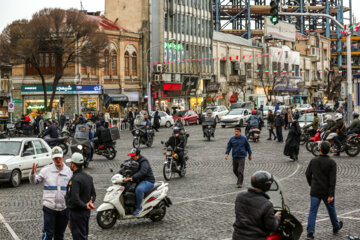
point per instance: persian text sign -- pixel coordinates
(282, 30)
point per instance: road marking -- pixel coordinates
(340, 216)
(11, 231)
(230, 193)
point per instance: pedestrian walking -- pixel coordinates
(240, 148)
(279, 124)
(156, 120)
(271, 124)
(80, 195)
(277, 108)
(289, 117)
(55, 178)
(62, 121)
(292, 144)
(321, 176)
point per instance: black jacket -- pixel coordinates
(145, 172)
(255, 216)
(339, 127)
(292, 144)
(279, 121)
(79, 191)
(62, 120)
(52, 131)
(321, 176)
(157, 119)
(176, 142)
(98, 132)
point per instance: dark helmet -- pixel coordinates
(176, 130)
(355, 115)
(262, 180)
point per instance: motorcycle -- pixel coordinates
(107, 150)
(180, 124)
(171, 164)
(14, 130)
(254, 134)
(306, 134)
(318, 137)
(290, 228)
(119, 200)
(68, 131)
(208, 128)
(350, 146)
(140, 137)
(82, 144)
(58, 142)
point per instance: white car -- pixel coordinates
(236, 117)
(17, 156)
(303, 108)
(308, 118)
(266, 110)
(217, 112)
(165, 119)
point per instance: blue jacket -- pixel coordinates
(91, 135)
(145, 172)
(240, 147)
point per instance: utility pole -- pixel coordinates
(348, 56)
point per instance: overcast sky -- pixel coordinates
(11, 10)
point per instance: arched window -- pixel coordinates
(127, 65)
(114, 63)
(106, 63)
(134, 64)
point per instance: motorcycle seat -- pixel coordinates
(156, 185)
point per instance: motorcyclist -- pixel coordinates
(315, 124)
(51, 130)
(148, 124)
(209, 118)
(329, 122)
(97, 137)
(340, 129)
(254, 121)
(91, 137)
(355, 125)
(255, 218)
(176, 141)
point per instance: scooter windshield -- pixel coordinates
(81, 132)
(277, 196)
(140, 121)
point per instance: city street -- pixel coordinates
(203, 200)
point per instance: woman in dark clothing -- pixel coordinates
(271, 124)
(156, 121)
(292, 144)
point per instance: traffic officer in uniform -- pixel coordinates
(55, 177)
(80, 196)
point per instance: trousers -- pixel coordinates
(55, 223)
(279, 134)
(140, 191)
(238, 169)
(79, 224)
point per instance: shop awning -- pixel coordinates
(114, 98)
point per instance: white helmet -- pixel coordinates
(338, 116)
(328, 117)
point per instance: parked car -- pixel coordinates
(189, 117)
(307, 118)
(165, 119)
(236, 117)
(248, 105)
(17, 156)
(218, 112)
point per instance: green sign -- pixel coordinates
(17, 100)
(40, 89)
(173, 46)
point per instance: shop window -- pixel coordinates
(222, 68)
(106, 63)
(286, 67)
(114, 63)
(89, 106)
(134, 64)
(127, 64)
(35, 107)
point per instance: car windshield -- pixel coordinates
(307, 118)
(209, 108)
(181, 113)
(236, 112)
(304, 105)
(10, 148)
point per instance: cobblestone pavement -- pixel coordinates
(203, 200)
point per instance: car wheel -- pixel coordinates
(168, 124)
(223, 126)
(241, 124)
(15, 178)
(217, 119)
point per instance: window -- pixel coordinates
(106, 63)
(41, 60)
(233, 68)
(134, 64)
(297, 70)
(46, 62)
(307, 75)
(93, 71)
(114, 63)
(40, 148)
(248, 70)
(29, 148)
(222, 68)
(127, 65)
(259, 69)
(274, 66)
(52, 59)
(286, 67)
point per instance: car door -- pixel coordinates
(193, 116)
(27, 158)
(162, 118)
(43, 157)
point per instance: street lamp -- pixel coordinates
(147, 73)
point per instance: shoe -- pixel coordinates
(137, 211)
(337, 154)
(239, 185)
(310, 236)
(268, 139)
(336, 230)
(275, 138)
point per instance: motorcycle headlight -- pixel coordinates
(80, 147)
(137, 132)
(3, 167)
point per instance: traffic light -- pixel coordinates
(274, 12)
(62, 101)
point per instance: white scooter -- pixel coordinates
(116, 204)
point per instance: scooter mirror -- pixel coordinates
(111, 170)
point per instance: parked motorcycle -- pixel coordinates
(350, 146)
(171, 164)
(208, 128)
(290, 228)
(254, 134)
(119, 201)
(82, 144)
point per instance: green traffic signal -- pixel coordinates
(274, 12)
(274, 20)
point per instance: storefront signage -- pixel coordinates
(17, 100)
(63, 89)
(172, 87)
(213, 87)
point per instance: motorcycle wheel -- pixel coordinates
(208, 137)
(106, 219)
(303, 139)
(315, 149)
(136, 143)
(167, 172)
(149, 142)
(352, 149)
(185, 140)
(64, 147)
(159, 212)
(111, 153)
(308, 145)
(182, 172)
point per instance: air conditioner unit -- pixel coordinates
(157, 78)
(159, 68)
